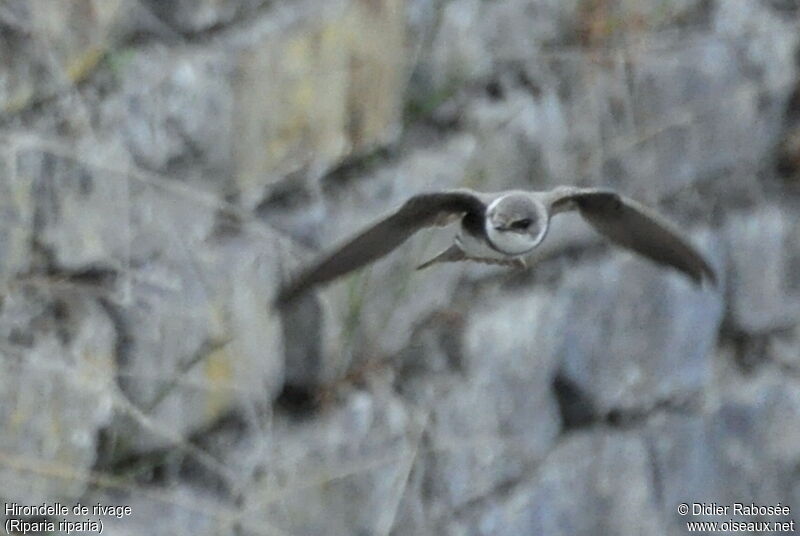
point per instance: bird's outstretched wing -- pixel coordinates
(636, 227)
(381, 238)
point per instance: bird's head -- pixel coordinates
(516, 223)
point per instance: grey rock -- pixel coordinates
(173, 110)
(81, 212)
(782, 347)
(186, 298)
(524, 142)
(351, 464)
(539, 25)
(743, 448)
(621, 341)
(458, 54)
(192, 17)
(316, 86)
(48, 48)
(591, 395)
(681, 98)
(646, 102)
(194, 306)
(765, 295)
(493, 421)
(56, 393)
(16, 219)
(181, 510)
(592, 482)
(310, 345)
(289, 91)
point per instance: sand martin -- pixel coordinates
(501, 228)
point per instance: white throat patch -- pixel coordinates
(513, 243)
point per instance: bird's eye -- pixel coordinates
(521, 224)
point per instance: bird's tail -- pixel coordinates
(451, 254)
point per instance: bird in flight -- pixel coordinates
(501, 228)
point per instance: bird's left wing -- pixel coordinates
(381, 238)
(636, 227)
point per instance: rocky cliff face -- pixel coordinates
(164, 166)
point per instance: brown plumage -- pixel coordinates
(502, 227)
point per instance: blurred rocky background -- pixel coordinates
(164, 165)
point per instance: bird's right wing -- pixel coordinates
(381, 238)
